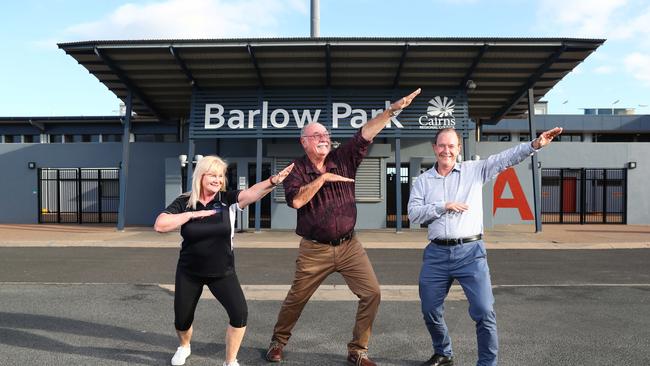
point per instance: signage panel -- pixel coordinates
(284, 113)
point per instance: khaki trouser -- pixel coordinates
(317, 261)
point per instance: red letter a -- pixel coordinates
(518, 199)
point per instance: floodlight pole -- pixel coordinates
(315, 18)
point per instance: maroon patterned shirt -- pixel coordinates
(332, 212)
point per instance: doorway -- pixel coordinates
(265, 203)
(391, 196)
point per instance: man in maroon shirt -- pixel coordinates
(321, 188)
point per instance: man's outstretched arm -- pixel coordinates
(375, 125)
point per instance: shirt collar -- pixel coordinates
(329, 165)
(434, 173)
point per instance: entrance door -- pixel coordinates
(569, 194)
(391, 210)
(265, 216)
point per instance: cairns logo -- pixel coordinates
(440, 114)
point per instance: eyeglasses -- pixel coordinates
(318, 136)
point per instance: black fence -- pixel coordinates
(584, 196)
(78, 195)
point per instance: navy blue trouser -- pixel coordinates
(466, 263)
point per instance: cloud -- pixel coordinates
(300, 6)
(611, 19)
(638, 65)
(635, 24)
(579, 18)
(604, 70)
(188, 19)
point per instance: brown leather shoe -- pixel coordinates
(360, 358)
(274, 354)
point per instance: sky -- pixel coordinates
(38, 79)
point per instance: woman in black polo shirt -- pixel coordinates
(206, 216)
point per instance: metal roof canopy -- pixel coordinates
(162, 73)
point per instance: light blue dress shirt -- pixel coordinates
(431, 191)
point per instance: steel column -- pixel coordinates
(124, 166)
(58, 196)
(99, 195)
(537, 201)
(190, 164)
(604, 196)
(40, 194)
(258, 178)
(79, 200)
(190, 144)
(398, 185)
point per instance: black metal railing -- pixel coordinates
(78, 195)
(584, 196)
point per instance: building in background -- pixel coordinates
(246, 100)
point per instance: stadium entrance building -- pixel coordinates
(246, 101)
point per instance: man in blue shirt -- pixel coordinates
(449, 199)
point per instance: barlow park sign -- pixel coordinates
(278, 114)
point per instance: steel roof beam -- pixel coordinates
(528, 85)
(251, 53)
(328, 65)
(401, 64)
(38, 125)
(127, 82)
(183, 66)
(473, 67)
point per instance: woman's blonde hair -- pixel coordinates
(206, 165)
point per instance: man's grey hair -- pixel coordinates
(304, 128)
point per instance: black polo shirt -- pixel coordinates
(207, 242)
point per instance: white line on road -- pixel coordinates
(337, 292)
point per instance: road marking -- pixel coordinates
(330, 292)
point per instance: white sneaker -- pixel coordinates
(234, 363)
(181, 354)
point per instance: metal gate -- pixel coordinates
(584, 196)
(78, 195)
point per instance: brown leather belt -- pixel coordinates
(452, 242)
(334, 242)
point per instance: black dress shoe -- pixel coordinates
(439, 360)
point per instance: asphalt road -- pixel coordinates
(275, 266)
(102, 306)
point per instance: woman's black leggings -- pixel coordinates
(225, 289)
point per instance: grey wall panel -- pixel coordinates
(582, 155)
(146, 183)
(283, 216)
(19, 184)
(146, 189)
(638, 194)
(576, 123)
